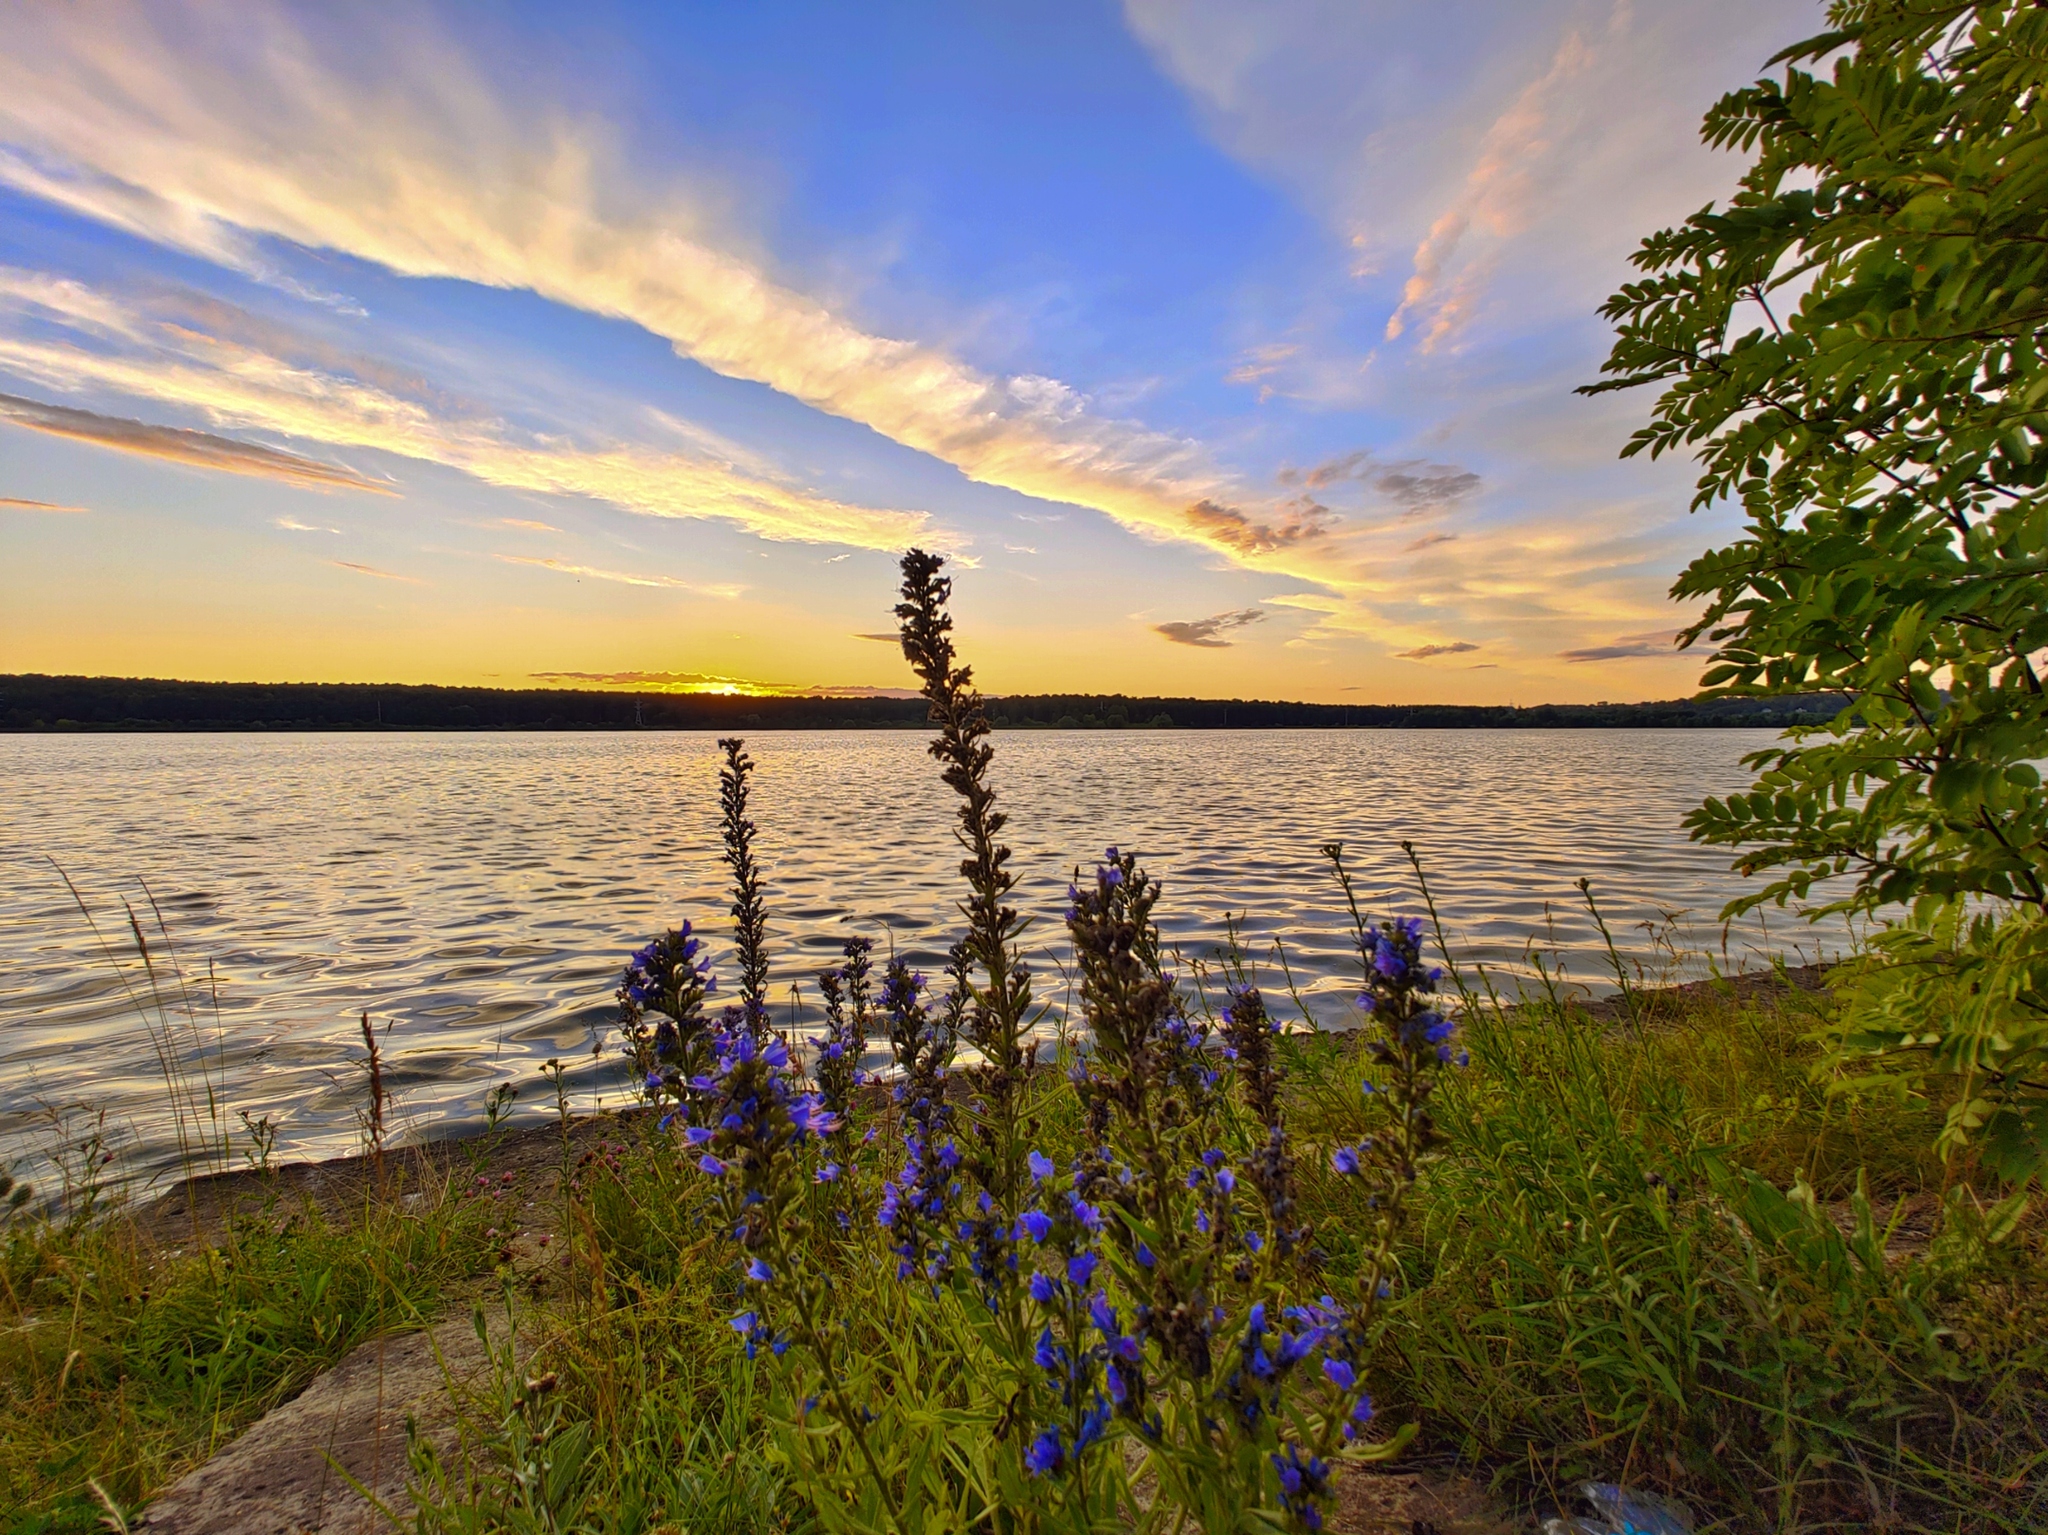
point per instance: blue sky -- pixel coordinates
(1227, 348)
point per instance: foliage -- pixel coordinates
(1670, 1259)
(1955, 1003)
(1852, 347)
(1676, 1261)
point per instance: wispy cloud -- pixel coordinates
(627, 578)
(205, 131)
(1413, 484)
(1207, 633)
(293, 525)
(256, 374)
(1260, 364)
(18, 504)
(1424, 652)
(1496, 197)
(891, 638)
(1657, 642)
(201, 449)
(528, 523)
(372, 570)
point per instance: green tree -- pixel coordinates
(1852, 348)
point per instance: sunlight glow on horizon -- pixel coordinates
(1226, 353)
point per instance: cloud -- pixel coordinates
(1424, 652)
(1299, 521)
(178, 445)
(204, 129)
(627, 578)
(537, 527)
(1497, 194)
(17, 504)
(1207, 632)
(1019, 549)
(891, 638)
(1411, 483)
(1428, 540)
(372, 570)
(1262, 363)
(256, 374)
(1314, 602)
(1657, 642)
(293, 525)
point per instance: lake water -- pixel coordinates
(477, 893)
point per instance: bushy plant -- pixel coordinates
(1140, 1333)
(1953, 1004)
(1852, 346)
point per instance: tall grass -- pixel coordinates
(131, 1347)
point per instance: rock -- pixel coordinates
(284, 1475)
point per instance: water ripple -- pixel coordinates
(476, 893)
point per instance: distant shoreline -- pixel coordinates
(38, 704)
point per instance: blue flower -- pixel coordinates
(1044, 1289)
(1345, 1160)
(1081, 1269)
(759, 1272)
(745, 1322)
(1035, 1224)
(1361, 1414)
(1341, 1375)
(1103, 1315)
(1046, 1455)
(1042, 1166)
(1047, 1354)
(1092, 1423)
(1303, 1479)
(710, 1164)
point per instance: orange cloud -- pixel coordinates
(201, 449)
(17, 504)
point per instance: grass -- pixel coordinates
(1654, 1247)
(126, 1358)
(1606, 1277)
(1663, 1259)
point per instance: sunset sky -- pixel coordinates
(1227, 346)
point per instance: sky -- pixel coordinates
(1225, 349)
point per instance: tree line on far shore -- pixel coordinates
(44, 703)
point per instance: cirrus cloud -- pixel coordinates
(178, 445)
